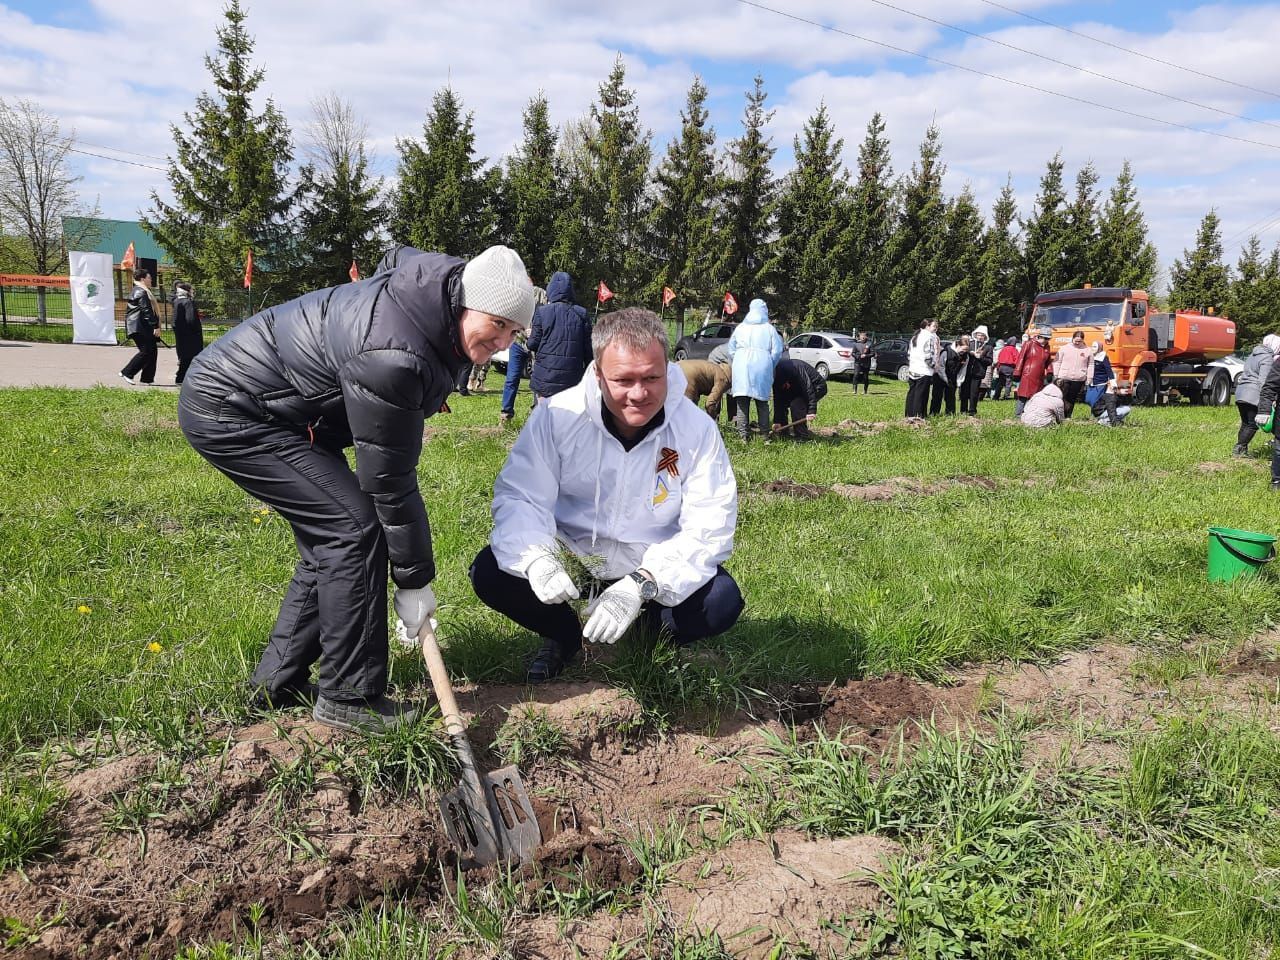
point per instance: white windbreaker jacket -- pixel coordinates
(670, 505)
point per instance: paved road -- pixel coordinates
(75, 365)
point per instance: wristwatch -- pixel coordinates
(648, 587)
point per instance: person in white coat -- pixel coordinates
(623, 471)
(755, 348)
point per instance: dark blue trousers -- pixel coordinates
(712, 609)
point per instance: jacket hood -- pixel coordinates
(758, 312)
(560, 289)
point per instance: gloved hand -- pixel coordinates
(413, 607)
(612, 612)
(550, 583)
(409, 640)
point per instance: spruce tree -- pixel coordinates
(684, 238)
(341, 219)
(1000, 269)
(571, 249)
(228, 178)
(1126, 258)
(917, 250)
(1080, 232)
(442, 202)
(750, 196)
(1046, 234)
(1200, 278)
(613, 190)
(534, 190)
(958, 302)
(1253, 294)
(811, 214)
(864, 243)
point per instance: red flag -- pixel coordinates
(128, 260)
(354, 272)
(667, 296)
(248, 269)
(603, 293)
(730, 304)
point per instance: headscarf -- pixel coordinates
(1272, 342)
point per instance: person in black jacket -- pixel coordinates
(560, 340)
(188, 335)
(1266, 402)
(797, 388)
(140, 323)
(981, 356)
(274, 402)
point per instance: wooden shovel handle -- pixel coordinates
(453, 721)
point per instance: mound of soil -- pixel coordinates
(793, 889)
(878, 707)
(881, 490)
(1253, 661)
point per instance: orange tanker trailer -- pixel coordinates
(1151, 353)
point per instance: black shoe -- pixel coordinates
(262, 700)
(375, 715)
(1239, 450)
(549, 662)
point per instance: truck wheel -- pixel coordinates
(1144, 388)
(1217, 389)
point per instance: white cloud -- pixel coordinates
(121, 86)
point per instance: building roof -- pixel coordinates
(113, 237)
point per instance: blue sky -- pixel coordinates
(119, 79)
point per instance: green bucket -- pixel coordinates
(1234, 553)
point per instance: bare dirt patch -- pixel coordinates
(878, 491)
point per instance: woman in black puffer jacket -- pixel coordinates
(274, 403)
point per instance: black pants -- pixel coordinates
(1248, 422)
(971, 391)
(918, 396)
(145, 359)
(862, 376)
(335, 609)
(742, 416)
(941, 391)
(1072, 391)
(795, 413)
(711, 609)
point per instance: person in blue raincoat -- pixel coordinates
(756, 348)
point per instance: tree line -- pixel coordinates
(827, 246)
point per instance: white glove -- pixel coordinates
(409, 640)
(413, 607)
(551, 584)
(612, 612)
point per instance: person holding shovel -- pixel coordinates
(624, 473)
(274, 403)
(797, 388)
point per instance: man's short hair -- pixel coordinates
(141, 272)
(634, 328)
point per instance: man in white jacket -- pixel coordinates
(623, 469)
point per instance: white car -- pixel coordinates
(1233, 364)
(831, 354)
(499, 360)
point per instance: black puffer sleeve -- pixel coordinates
(385, 394)
(1270, 389)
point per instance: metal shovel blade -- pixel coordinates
(515, 834)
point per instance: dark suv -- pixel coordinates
(698, 346)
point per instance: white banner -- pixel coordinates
(93, 305)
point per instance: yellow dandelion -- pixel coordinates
(84, 608)
(264, 511)
(154, 647)
(257, 519)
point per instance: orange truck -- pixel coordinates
(1151, 353)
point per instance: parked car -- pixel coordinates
(831, 354)
(499, 360)
(891, 358)
(698, 346)
(1233, 363)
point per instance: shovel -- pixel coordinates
(488, 816)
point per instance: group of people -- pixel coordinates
(142, 326)
(617, 468)
(1046, 387)
(751, 368)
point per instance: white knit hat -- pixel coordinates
(497, 283)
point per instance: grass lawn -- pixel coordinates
(137, 587)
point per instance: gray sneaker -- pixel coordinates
(377, 715)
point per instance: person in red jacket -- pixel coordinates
(1006, 360)
(1030, 369)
